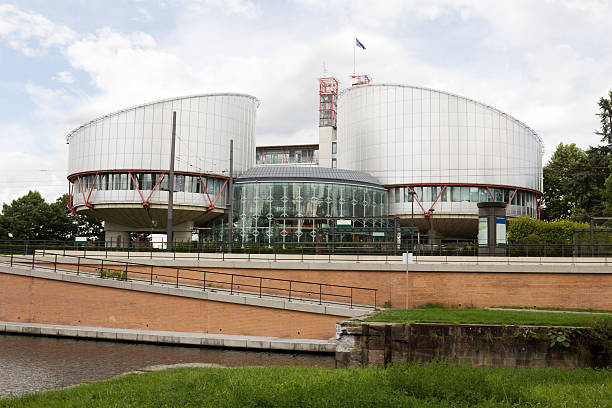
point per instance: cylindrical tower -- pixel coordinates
(118, 163)
(447, 151)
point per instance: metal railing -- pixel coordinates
(301, 249)
(206, 280)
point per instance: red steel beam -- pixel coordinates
(205, 190)
(511, 198)
(438, 197)
(414, 197)
(137, 189)
(154, 187)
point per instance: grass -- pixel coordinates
(414, 385)
(112, 274)
(563, 309)
(484, 316)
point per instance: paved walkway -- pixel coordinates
(174, 338)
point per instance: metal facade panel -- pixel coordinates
(409, 135)
(138, 138)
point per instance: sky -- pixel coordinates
(65, 62)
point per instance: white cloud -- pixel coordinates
(144, 16)
(64, 77)
(31, 33)
(544, 62)
(228, 7)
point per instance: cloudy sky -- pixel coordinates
(64, 62)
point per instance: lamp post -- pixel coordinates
(412, 194)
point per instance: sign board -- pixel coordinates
(80, 240)
(344, 223)
(378, 234)
(483, 231)
(500, 231)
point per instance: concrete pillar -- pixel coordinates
(116, 236)
(182, 232)
(327, 136)
(492, 228)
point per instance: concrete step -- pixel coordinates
(171, 338)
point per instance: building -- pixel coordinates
(118, 164)
(389, 156)
(447, 151)
(294, 155)
(295, 205)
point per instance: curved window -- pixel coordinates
(273, 211)
(467, 194)
(149, 181)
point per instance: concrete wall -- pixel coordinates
(376, 344)
(39, 300)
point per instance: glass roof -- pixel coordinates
(307, 174)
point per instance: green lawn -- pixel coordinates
(428, 385)
(567, 309)
(484, 316)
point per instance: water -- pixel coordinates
(32, 364)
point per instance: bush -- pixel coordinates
(112, 274)
(522, 228)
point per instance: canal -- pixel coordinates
(32, 364)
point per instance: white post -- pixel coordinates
(408, 259)
(354, 48)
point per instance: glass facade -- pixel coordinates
(268, 212)
(523, 202)
(146, 182)
(300, 155)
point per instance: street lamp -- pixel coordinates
(412, 194)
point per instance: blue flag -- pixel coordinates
(359, 44)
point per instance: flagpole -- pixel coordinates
(354, 47)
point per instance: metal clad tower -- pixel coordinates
(328, 100)
(118, 164)
(447, 151)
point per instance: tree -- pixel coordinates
(589, 183)
(31, 218)
(26, 217)
(560, 197)
(605, 117)
(71, 225)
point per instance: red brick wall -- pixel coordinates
(481, 289)
(25, 299)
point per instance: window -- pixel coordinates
(334, 163)
(474, 194)
(334, 148)
(407, 194)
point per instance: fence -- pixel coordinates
(457, 248)
(205, 280)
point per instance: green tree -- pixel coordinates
(560, 197)
(26, 218)
(69, 225)
(605, 117)
(589, 183)
(30, 217)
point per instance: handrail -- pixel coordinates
(178, 280)
(385, 248)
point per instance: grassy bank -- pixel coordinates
(484, 316)
(428, 385)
